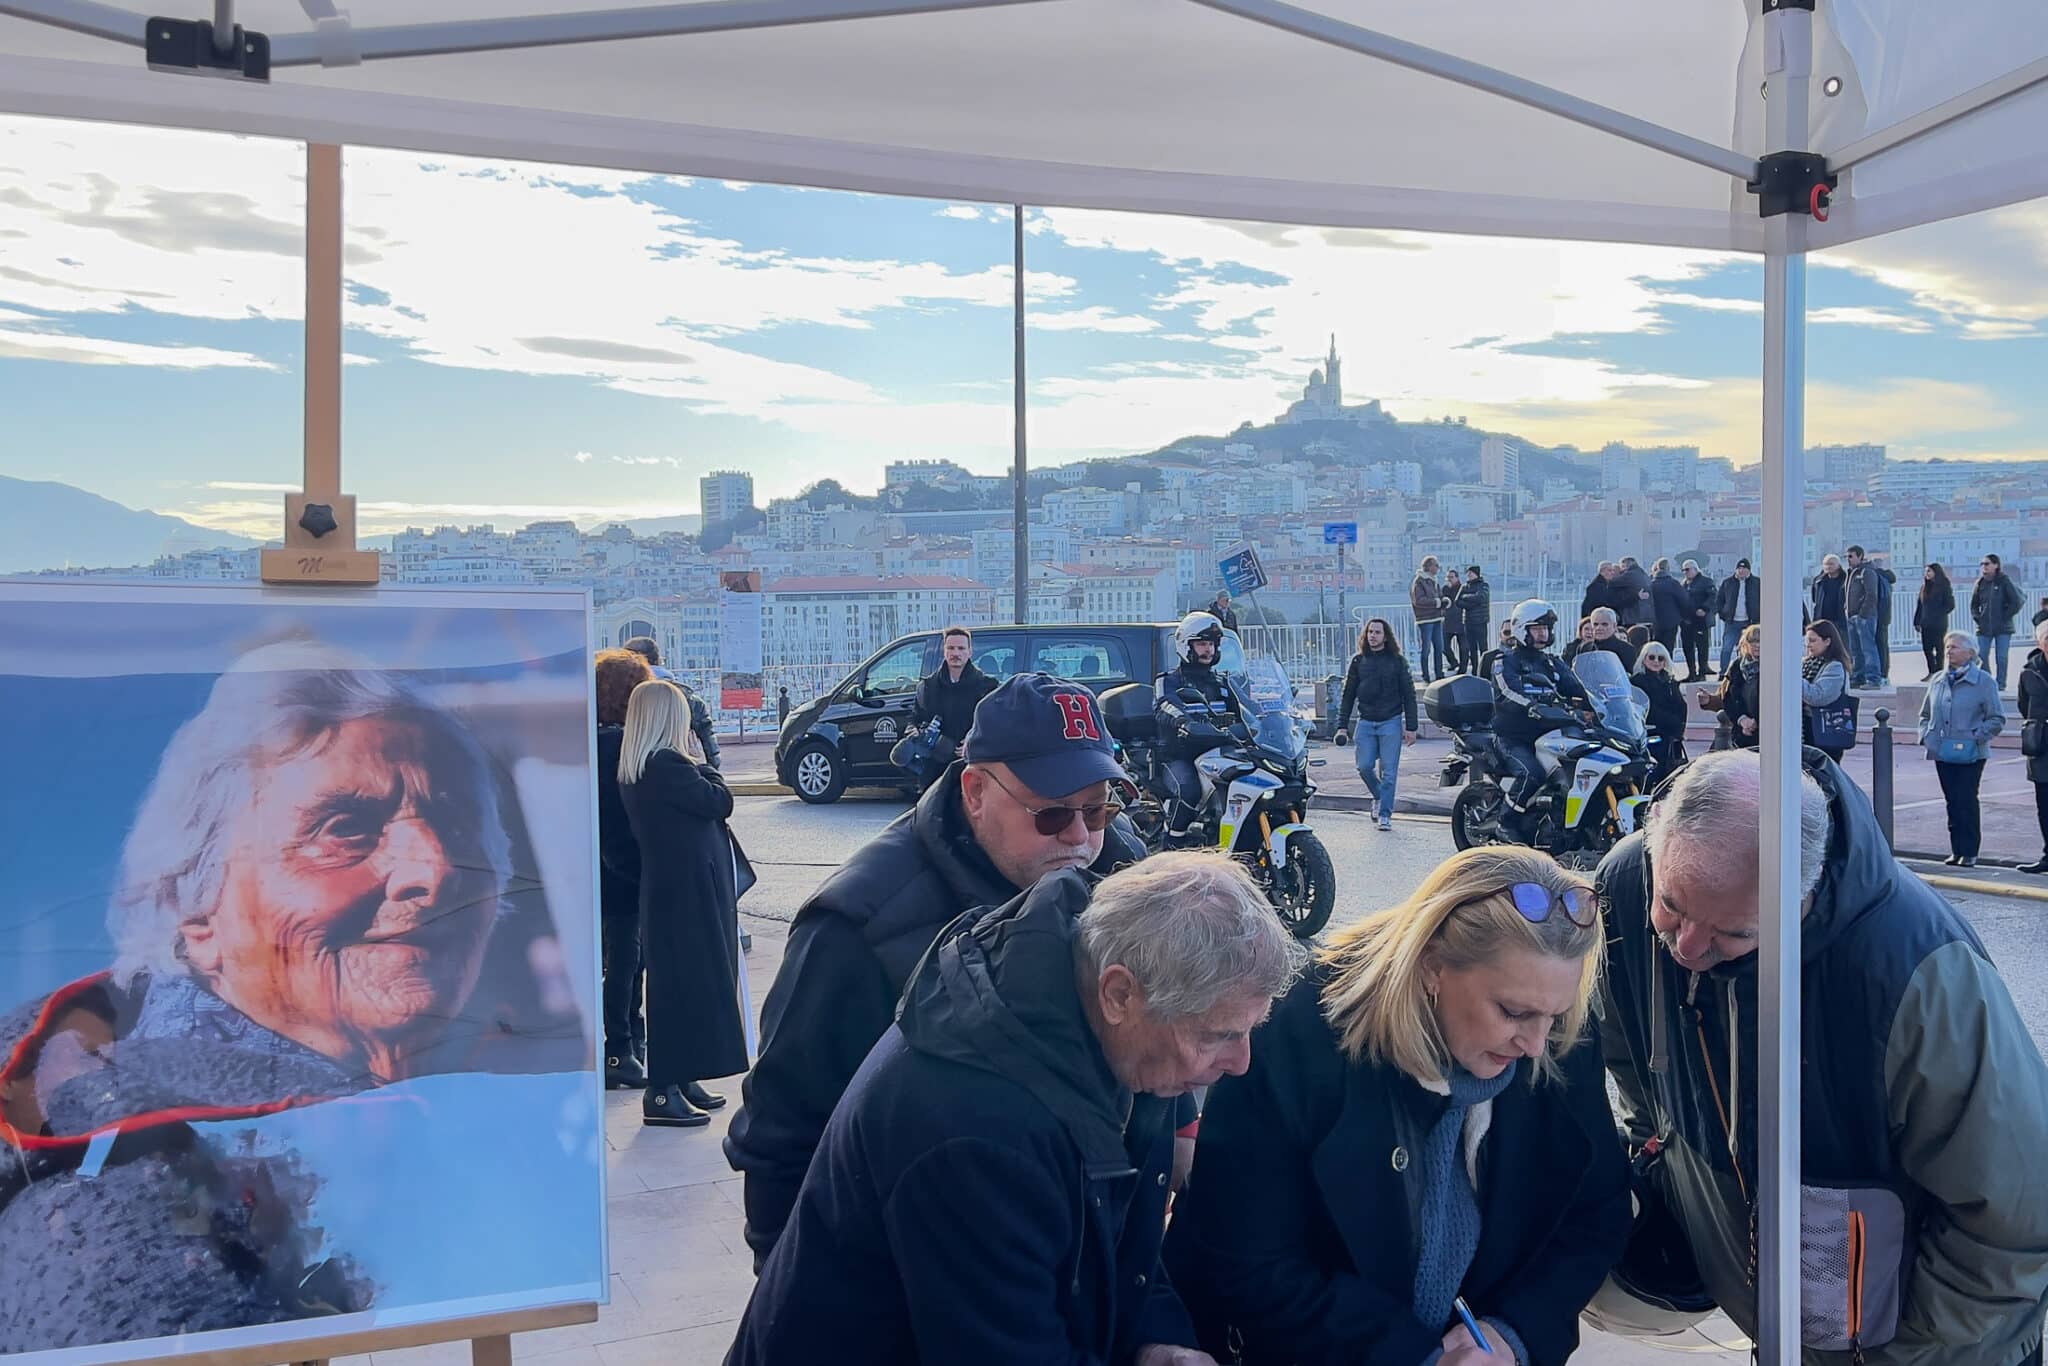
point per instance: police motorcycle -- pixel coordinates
(1254, 783)
(1595, 765)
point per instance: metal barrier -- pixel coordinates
(1881, 791)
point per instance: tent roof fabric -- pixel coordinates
(1150, 105)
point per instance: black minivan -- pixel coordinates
(843, 738)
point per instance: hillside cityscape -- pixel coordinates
(1138, 538)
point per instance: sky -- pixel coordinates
(529, 341)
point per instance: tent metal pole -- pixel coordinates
(1020, 505)
(1788, 81)
(1414, 56)
(601, 26)
(1941, 115)
(89, 17)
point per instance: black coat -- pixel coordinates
(1381, 687)
(1454, 608)
(1932, 607)
(1598, 594)
(952, 703)
(1994, 603)
(2033, 688)
(1298, 1234)
(982, 1193)
(851, 948)
(689, 920)
(618, 853)
(1625, 596)
(1701, 597)
(1667, 703)
(1742, 695)
(1752, 592)
(1668, 603)
(1831, 600)
(1475, 603)
(1226, 615)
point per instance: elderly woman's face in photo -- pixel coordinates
(357, 897)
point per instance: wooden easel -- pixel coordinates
(320, 548)
(320, 520)
(489, 1335)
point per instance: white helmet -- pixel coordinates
(1532, 612)
(1193, 627)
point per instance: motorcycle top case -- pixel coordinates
(1460, 702)
(1127, 711)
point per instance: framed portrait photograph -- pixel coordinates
(298, 964)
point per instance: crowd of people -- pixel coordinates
(1648, 618)
(973, 1130)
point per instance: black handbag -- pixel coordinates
(2034, 739)
(1834, 725)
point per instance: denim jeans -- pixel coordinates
(1731, 636)
(1431, 654)
(1985, 646)
(1379, 760)
(1863, 650)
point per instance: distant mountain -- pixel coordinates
(45, 525)
(689, 523)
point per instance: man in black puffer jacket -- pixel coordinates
(993, 1187)
(1037, 743)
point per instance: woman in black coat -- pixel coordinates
(1930, 614)
(1667, 709)
(2033, 718)
(1422, 1120)
(618, 878)
(1740, 700)
(689, 909)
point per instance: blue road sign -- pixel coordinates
(1242, 572)
(1340, 533)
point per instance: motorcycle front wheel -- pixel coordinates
(1304, 892)
(1475, 816)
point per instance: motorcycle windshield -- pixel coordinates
(1266, 697)
(1614, 696)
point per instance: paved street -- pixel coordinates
(680, 1272)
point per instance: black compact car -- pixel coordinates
(843, 738)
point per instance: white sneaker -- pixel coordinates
(1386, 822)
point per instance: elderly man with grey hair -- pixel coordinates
(1924, 1100)
(992, 1188)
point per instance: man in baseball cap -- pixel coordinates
(1035, 791)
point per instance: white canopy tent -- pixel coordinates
(1619, 123)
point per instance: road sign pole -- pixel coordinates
(1342, 615)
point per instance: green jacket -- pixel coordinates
(1920, 1082)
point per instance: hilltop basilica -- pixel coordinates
(1322, 400)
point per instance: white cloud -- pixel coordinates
(1711, 303)
(56, 346)
(1094, 318)
(1986, 274)
(1890, 320)
(352, 358)
(581, 457)
(965, 211)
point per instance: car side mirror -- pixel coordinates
(867, 697)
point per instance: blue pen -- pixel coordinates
(1471, 1324)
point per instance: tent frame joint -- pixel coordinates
(1793, 182)
(188, 47)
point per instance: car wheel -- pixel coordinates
(818, 774)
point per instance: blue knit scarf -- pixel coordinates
(1450, 1210)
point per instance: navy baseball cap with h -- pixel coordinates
(1046, 730)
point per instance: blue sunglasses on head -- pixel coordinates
(1536, 902)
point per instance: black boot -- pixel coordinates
(695, 1093)
(623, 1071)
(668, 1107)
(2039, 865)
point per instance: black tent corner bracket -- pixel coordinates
(1793, 182)
(186, 45)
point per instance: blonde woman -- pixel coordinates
(1422, 1121)
(689, 908)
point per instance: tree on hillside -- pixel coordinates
(717, 535)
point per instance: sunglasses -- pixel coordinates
(1051, 820)
(1537, 902)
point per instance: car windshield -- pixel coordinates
(1614, 697)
